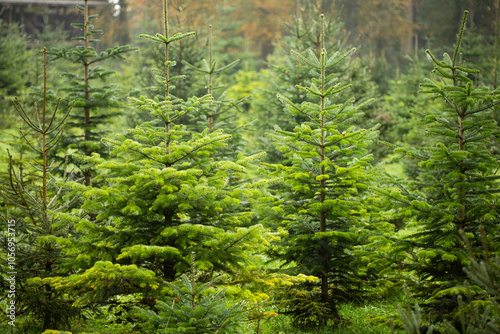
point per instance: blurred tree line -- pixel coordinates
(385, 27)
(388, 28)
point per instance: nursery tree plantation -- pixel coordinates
(295, 166)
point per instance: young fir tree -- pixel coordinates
(219, 114)
(479, 315)
(287, 71)
(457, 183)
(164, 196)
(92, 99)
(153, 55)
(320, 201)
(412, 317)
(194, 308)
(37, 234)
(474, 315)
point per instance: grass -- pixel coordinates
(372, 317)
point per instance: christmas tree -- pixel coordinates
(36, 235)
(320, 202)
(164, 196)
(456, 185)
(91, 99)
(194, 308)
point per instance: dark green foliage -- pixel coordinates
(480, 314)
(90, 98)
(456, 187)
(163, 196)
(320, 202)
(15, 75)
(194, 307)
(33, 198)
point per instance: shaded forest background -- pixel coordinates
(388, 28)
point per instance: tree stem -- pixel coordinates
(167, 75)
(210, 77)
(86, 64)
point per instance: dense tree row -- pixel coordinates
(188, 206)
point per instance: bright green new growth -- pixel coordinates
(90, 255)
(163, 197)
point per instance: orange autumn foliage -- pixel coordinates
(260, 19)
(385, 19)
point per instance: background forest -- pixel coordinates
(294, 166)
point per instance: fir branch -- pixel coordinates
(446, 123)
(238, 240)
(226, 137)
(18, 188)
(459, 41)
(233, 105)
(305, 60)
(134, 150)
(436, 61)
(179, 36)
(232, 64)
(20, 110)
(28, 142)
(344, 56)
(194, 67)
(484, 108)
(55, 139)
(308, 141)
(406, 151)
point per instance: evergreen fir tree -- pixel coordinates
(287, 71)
(304, 32)
(219, 114)
(164, 196)
(457, 184)
(320, 200)
(153, 55)
(91, 99)
(479, 315)
(194, 308)
(37, 235)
